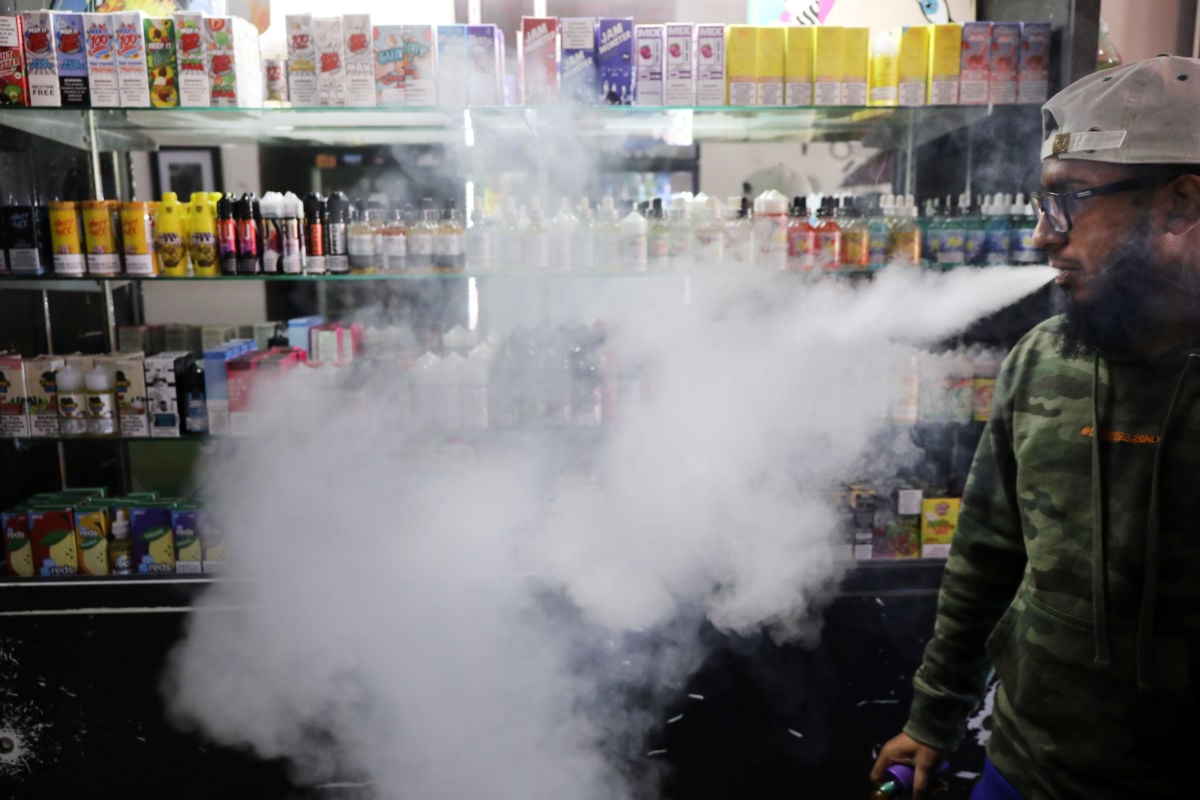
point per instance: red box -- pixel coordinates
(538, 57)
(14, 85)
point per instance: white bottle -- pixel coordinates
(679, 233)
(479, 241)
(508, 253)
(101, 403)
(449, 378)
(583, 246)
(293, 234)
(473, 390)
(633, 254)
(271, 208)
(769, 231)
(708, 249)
(606, 237)
(560, 237)
(738, 244)
(72, 401)
(535, 240)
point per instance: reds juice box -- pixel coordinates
(578, 67)
(648, 45)
(302, 61)
(768, 65)
(1033, 71)
(974, 73)
(710, 65)
(191, 57)
(18, 550)
(614, 60)
(420, 84)
(188, 554)
(452, 65)
(798, 66)
(741, 59)
(71, 47)
(1003, 55)
(331, 70)
(485, 65)
(679, 79)
(537, 53)
(41, 58)
(14, 407)
(358, 60)
(234, 62)
(390, 63)
(131, 60)
(100, 36)
(52, 532)
(14, 86)
(161, 69)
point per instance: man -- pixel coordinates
(1075, 570)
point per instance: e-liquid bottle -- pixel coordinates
(337, 252)
(975, 234)
(658, 241)
(856, 237)
(248, 262)
(395, 243)
(292, 237)
(271, 214)
(828, 238)
(227, 236)
(361, 241)
(801, 237)
(314, 233)
(999, 231)
(449, 250)
(421, 239)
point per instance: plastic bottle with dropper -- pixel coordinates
(606, 237)
(828, 252)
(633, 244)
(999, 231)
(801, 238)
(561, 237)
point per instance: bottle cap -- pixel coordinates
(771, 202)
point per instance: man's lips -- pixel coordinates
(1068, 274)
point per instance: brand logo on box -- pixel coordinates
(300, 41)
(99, 41)
(222, 64)
(358, 42)
(189, 42)
(37, 40)
(68, 43)
(330, 62)
(129, 40)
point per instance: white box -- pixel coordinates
(420, 88)
(331, 69)
(648, 50)
(191, 54)
(162, 393)
(101, 37)
(131, 60)
(41, 59)
(452, 65)
(359, 59)
(302, 61)
(710, 65)
(234, 62)
(679, 84)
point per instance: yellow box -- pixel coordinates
(856, 59)
(91, 538)
(768, 69)
(912, 65)
(741, 65)
(939, 520)
(798, 66)
(945, 56)
(827, 65)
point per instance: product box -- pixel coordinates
(798, 65)
(1033, 74)
(912, 66)
(216, 382)
(41, 391)
(358, 60)
(299, 332)
(162, 373)
(161, 68)
(828, 63)
(212, 336)
(91, 537)
(52, 532)
(614, 59)
(537, 51)
(188, 551)
(862, 502)
(577, 81)
(856, 64)
(710, 65)
(26, 232)
(41, 58)
(152, 539)
(974, 72)
(485, 65)
(14, 407)
(390, 63)
(648, 44)
(420, 81)
(939, 519)
(302, 61)
(132, 398)
(897, 531)
(14, 85)
(1003, 57)
(234, 62)
(191, 57)
(70, 45)
(679, 65)
(452, 65)
(131, 60)
(239, 378)
(945, 45)
(769, 65)
(100, 35)
(259, 334)
(741, 65)
(18, 548)
(213, 540)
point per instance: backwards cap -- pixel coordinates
(1140, 113)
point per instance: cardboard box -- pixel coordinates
(299, 332)
(91, 537)
(14, 405)
(152, 537)
(133, 402)
(1004, 54)
(798, 66)
(100, 35)
(14, 84)
(828, 63)
(191, 56)
(189, 556)
(420, 82)
(898, 530)
(302, 61)
(614, 59)
(52, 532)
(131, 60)
(26, 239)
(359, 59)
(162, 376)
(1033, 74)
(939, 520)
(485, 65)
(452, 65)
(912, 66)
(162, 72)
(945, 45)
(212, 539)
(648, 43)
(240, 388)
(710, 65)
(41, 391)
(216, 382)
(234, 62)
(769, 65)
(679, 65)
(537, 50)
(578, 78)
(856, 65)
(18, 547)
(741, 65)
(41, 58)
(861, 503)
(70, 45)
(390, 63)
(974, 72)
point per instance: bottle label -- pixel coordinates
(633, 252)
(710, 247)
(949, 246)
(69, 264)
(420, 244)
(362, 249)
(801, 244)
(828, 249)
(272, 245)
(906, 247)
(1022, 248)
(101, 413)
(448, 245)
(395, 250)
(196, 419)
(975, 247)
(293, 251)
(878, 246)
(72, 420)
(657, 245)
(227, 245)
(997, 246)
(856, 249)
(479, 248)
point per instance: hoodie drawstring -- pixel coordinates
(1103, 655)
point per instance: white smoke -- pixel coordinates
(456, 619)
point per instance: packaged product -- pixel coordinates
(615, 60)
(100, 34)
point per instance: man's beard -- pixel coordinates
(1128, 301)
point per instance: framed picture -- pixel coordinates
(184, 170)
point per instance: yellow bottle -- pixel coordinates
(170, 248)
(202, 234)
(885, 70)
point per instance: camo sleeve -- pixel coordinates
(987, 560)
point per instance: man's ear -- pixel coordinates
(1183, 204)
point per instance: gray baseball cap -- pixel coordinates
(1147, 112)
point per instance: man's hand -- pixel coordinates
(903, 749)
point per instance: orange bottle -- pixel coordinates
(828, 252)
(801, 238)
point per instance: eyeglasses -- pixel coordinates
(1056, 206)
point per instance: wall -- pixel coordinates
(1143, 28)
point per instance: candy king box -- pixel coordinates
(1003, 57)
(358, 60)
(1033, 71)
(390, 63)
(161, 68)
(828, 65)
(41, 391)
(52, 532)
(188, 549)
(769, 65)
(151, 537)
(939, 520)
(537, 53)
(234, 62)
(741, 65)
(912, 66)
(798, 66)
(614, 60)
(14, 407)
(945, 46)
(191, 57)
(14, 85)
(331, 70)
(71, 47)
(648, 46)
(974, 75)
(420, 82)
(578, 67)
(131, 60)
(41, 58)
(452, 65)
(485, 65)
(856, 61)
(18, 549)
(302, 61)
(133, 402)
(101, 37)
(710, 65)
(91, 536)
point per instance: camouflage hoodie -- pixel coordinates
(1075, 571)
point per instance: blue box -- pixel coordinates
(71, 44)
(485, 65)
(299, 330)
(577, 69)
(614, 60)
(216, 382)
